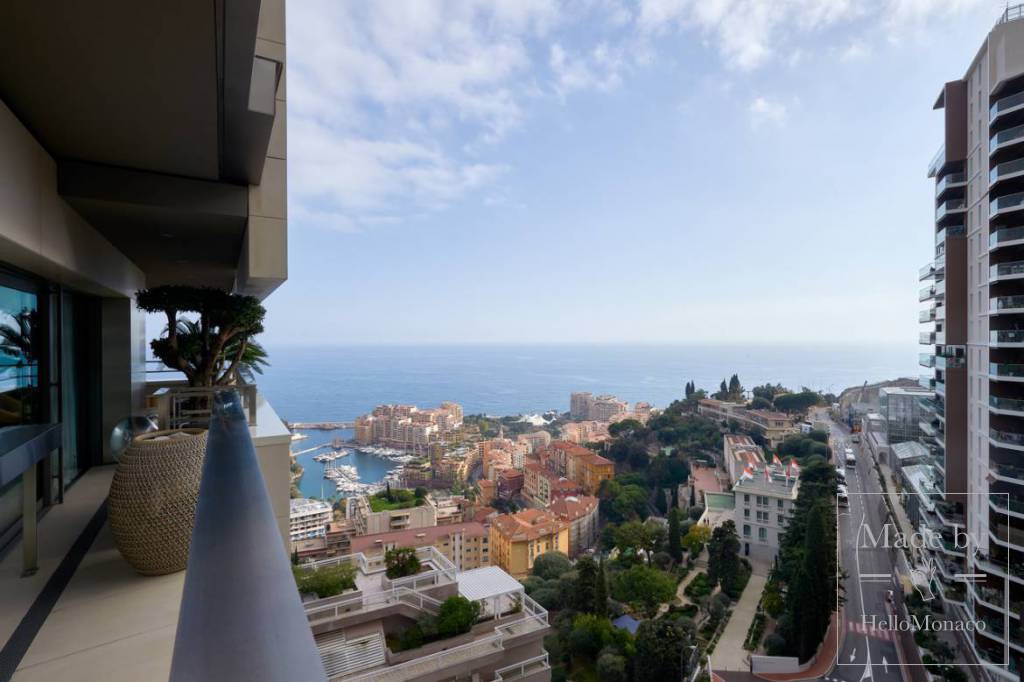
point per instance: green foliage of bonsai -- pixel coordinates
(401, 562)
(212, 350)
(325, 582)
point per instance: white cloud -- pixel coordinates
(599, 70)
(750, 33)
(855, 51)
(766, 110)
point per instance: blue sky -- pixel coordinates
(602, 171)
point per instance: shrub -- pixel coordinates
(699, 587)
(772, 600)
(775, 645)
(325, 582)
(696, 512)
(401, 562)
(550, 565)
(611, 668)
(589, 635)
(755, 632)
(456, 616)
(736, 586)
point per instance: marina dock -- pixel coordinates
(320, 426)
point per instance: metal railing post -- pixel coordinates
(241, 616)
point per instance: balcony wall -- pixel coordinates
(110, 623)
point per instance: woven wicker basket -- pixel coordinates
(153, 496)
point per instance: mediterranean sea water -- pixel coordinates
(339, 383)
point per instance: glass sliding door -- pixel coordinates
(21, 350)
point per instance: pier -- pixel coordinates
(320, 426)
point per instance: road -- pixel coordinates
(867, 653)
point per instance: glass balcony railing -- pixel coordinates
(1006, 336)
(950, 206)
(927, 337)
(926, 360)
(926, 381)
(1006, 404)
(1005, 170)
(949, 181)
(1001, 106)
(1011, 471)
(1006, 270)
(940, 312)
(1006, 137)
(940, 387)
(926, 293)
(1014, 503)
(1010, 202)
(937, 162)
(926, 272)
(944, 362)
(1002, 303)
(1006, 437)
(1005, 234)
(926, 315)
(1008, 370)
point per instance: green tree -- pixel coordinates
(723, 556)
(586, 584)
(735, 387)
(659, 649)
(551, 565)
(812, 588)
(637, 536)
(589, 635)
(797, 402)
(626, 426)
(675, 538)
(696, 538)
(612, 668)
(643, 587)
(225, 322)
(456, 616)
(601, 591)
(401, 562)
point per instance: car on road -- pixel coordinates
(843, 496)
(841, 474)
(855, 438)
(851, 460)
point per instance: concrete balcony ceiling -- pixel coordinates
(155, 151)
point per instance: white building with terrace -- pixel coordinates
(355, 630)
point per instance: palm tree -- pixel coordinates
(252, 356)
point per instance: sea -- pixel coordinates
(338, 383)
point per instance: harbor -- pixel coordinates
(333, 466)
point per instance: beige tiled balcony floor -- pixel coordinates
(110, 623)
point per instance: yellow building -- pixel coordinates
(591, 469)
(518, 539)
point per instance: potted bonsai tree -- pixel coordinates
(217, 347)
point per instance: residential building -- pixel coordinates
(586, 406)
(517, 539)
(141, 144)
(488, 491)
(448, 509)
(542, 486)
(974, 335)
(875, 437)
(740, 451)
(584, 432)
(359, 512)
(352, 629)
(774, 427)
(581, 513)
(510, 483)
(763, 505)
(408, 427)
(576, 463)
(464, 544)
(308, 519)
(535, 440)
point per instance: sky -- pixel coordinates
(613, 171)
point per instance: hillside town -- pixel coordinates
(678, 515)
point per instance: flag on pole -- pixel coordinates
(767, 476)
(747, 474)
(776, 461)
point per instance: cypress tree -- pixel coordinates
(675, 545)
(601, 592)
(585, 592)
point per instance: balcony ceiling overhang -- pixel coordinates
(157, 95)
